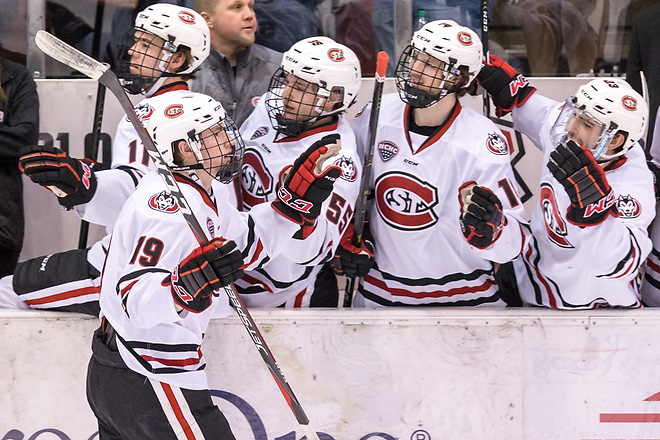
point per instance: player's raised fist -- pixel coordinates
(575, 168)
(481, 219)
(207, 269)
(504, 84)
(309, 182)
(71, 180)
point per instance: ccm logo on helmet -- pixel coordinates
(406, 202)
(174, 110)
(336, 54)
(464, 38)
(186, 17)
(629, 103)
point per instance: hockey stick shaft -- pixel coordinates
(93, 154)
(66, 54)
(361, 204)
(484, 43)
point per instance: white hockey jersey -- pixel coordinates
(290, 277)
(130, 161)
(422, 257)
(651, 283)
(565, 266)
(149, 240)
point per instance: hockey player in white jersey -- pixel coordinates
(160, 288)
(651, 283)
(166, 46)
(318, 80)
(588, 235)
(444, 206)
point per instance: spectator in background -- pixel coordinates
(237, 71)
(285, 22)
(644, 56)
(19, 127)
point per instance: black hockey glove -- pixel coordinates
(205, 270)
(308, 182)
(655, 169)
(71, 180)
(504, 84)
(592, 199)
(482, 219)
(354, 262)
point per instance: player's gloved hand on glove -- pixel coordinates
(482, 218)
(655, 169)
(309, 182)
(592, 198)
(354, 262)
(71, 180)
(504, 84)
(206, 269)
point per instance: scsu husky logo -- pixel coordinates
(163, 202)
(348, 168)
(496, 144)
(628, 207)
(143, 111)
(555, 226)
(256, 180)
(406, 202)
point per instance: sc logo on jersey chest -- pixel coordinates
(405, 202)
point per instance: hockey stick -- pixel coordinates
(93, 154)
(361, 205)
(75, 59)
(484, 44)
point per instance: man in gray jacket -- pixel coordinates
(237, 72)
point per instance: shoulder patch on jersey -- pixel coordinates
(143, 111)
(555, 226)
(496, 144)
(210, 226)
(387, 150)
(163, 202)
(348, 168)
(2, 116)
(261, 131)
(628, 206)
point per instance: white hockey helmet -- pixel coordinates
(610, 106)
(202, 122)
(331, 66)
(178, 26)
(458, 47)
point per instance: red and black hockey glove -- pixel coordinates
(308, 182)
(71, 180)
(482, 218)
(504, 84)
(205, 270)
(354, 262)
(575, 168)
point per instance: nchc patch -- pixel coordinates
(163, 202)
(387, 150)
(261, 131)
(210, 226)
